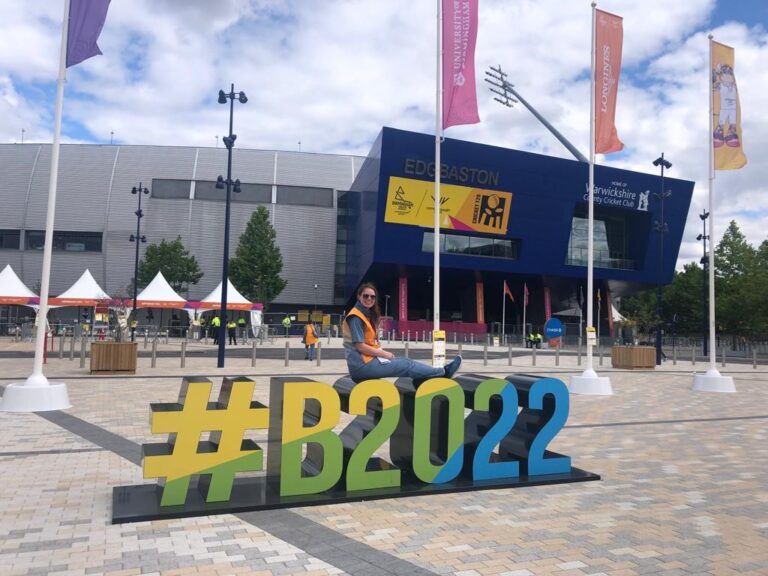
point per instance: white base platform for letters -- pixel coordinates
(712, 381)
(590, 383)
(35, 395)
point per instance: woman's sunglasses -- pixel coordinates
(368, 296)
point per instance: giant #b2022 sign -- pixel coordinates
(346, 442)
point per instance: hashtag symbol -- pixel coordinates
(216, 460)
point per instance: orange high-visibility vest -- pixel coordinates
(369, 334)
(309, 335)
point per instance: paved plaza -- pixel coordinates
(684, 487)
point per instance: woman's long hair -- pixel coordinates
(374, 310)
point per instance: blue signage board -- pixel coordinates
(553, 329)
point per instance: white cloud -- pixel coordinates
(331, 73)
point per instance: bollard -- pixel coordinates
(674, 356)
(166, 336)
(329, 336)
(406, 350)
(183, 353)
(61, 346)
(509, 354)
(154, 352)
(287, 352)
(754, 358)
(600, 355)
(578, 354)
(409, 336)
(72, 348)
(205, 340)
(485, 354)
(146, 338)
(253, 353)
(472, 338)
(723, 363)
(557, 356)
(319, 351)
(83, 345)
(455, 336)
(533, 356)
(693, 356)
(459, 348)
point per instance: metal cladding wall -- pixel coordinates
(545, 193)
(94, 194)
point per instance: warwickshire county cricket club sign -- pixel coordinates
(401, 441)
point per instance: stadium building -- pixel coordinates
(506, 216)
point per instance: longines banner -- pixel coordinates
(401, 440)
(463, 208)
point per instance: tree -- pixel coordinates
(179, 267)
(256, 266)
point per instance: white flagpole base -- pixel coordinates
(35, 395)
(590, 383)
(712, 381)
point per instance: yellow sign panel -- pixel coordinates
(462, 208)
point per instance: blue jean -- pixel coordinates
(309, 351)
(399, 366)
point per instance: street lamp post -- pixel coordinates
(386, 305)
(661, 227)
(703, 237)
(229, 142)
(138, 238)
(315, 309)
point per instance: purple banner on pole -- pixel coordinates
(459, 39)
(86, 19)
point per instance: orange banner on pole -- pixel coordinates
(609, 36)
(726, 109)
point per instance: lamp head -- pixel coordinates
(661, 161)
(237, 186)
(242, 98)
(134, 190)
(132, 238)
(146, 190)
(220, 182)
(222, 97)
(699, 237)
(704, 215)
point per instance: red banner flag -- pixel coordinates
(508, 292)
(607, 45)
(525, 294)
(459, 39)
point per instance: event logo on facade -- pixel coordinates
(489, 210)
(400, 204)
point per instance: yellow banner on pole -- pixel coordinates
(726, 110)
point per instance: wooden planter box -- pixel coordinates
(114, 357)
(633, 357)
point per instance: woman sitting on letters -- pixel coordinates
(366, 359)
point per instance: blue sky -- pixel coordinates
(330, 73)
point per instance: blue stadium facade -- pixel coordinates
(507, 216)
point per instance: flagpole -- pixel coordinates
(525, 307)
(438, 137)
(36, 393)
(503, 312)
(711, 225)
(589, 382)
(712, 381)
(591, 222)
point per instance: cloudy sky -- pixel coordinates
(325, 75)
